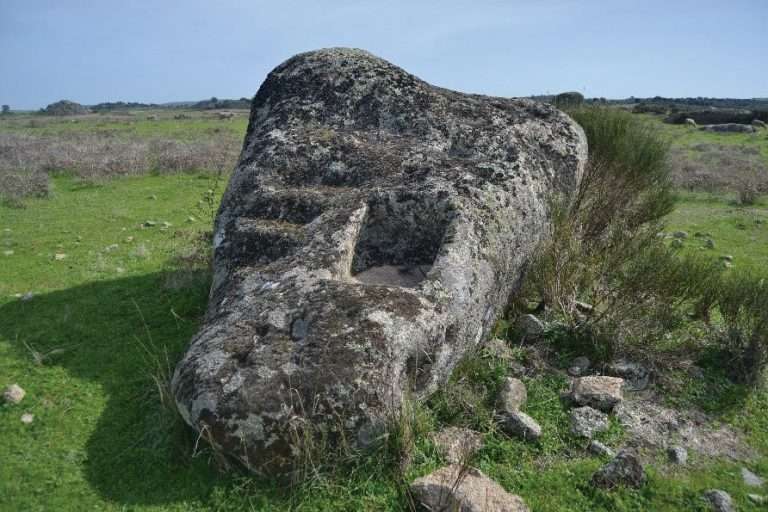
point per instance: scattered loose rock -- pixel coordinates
(59, 256)
(677, 455)
(757, 499)
(512, 396)
(721, 501)
(586, 422)
(682, 235)
(457, 445)
(521, 425)
(600, 392)
(636, 376)
(454, 488)
(751, 479)
(709, 243)
(27, 418)
(579, 366)
(27, 297)
(600, 449)
(14, 394)
(624, 469)
(530, 326)
(149, 223)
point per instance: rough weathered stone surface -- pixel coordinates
(600, 392)
(464, 490)
(600, 449)
(636, 376)
(624, 469)
(521, 425)
(370, 235)
(751, 479)
(677, 455)
(586, 422)
(457, 445)
(513, 395)
(14, 394)
(530, 326)
(579, 366)
(720, 501)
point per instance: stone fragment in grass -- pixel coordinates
(14, 394)
(462, 489)
(457, 445)
(520, 425)
(600, 392)
(726, 257)
(27, 297)
(600, 449)
(149, 223)
(59, 256)
(677, 455)
(27, 418)
(681, 235)
(719, 500)
(530, 326)
(586, 422)
(709, 243)
(579, 366)
(512, 396)
(751, 479)
(757, 499)
(625, 469)
(636, 376)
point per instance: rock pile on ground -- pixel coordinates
(457, 445)
(370, 235)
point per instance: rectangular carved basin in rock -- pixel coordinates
(400, 238)
(369, 237)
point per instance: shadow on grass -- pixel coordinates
(136, 454)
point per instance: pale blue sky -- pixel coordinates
(170, 50)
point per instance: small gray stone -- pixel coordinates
(149, 223)
(27, 297)
(14, 394)
(757, 499)
(512, 396)
(721, 501)
(624, 469)
(521, 425)
(677, 455)
(726, 257)
(600, 449)
(461, 489)
(709, 243)
(600, 392)
(27, 418)
(751, 479)
(457, 445)
(586, 422)
(636, 376)
(530, 326)
(681, 235)
(579, 366)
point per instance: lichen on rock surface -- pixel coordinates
(371, 233)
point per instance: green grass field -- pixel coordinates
(121, 301)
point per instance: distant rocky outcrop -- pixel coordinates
(65, 108)
(369, 237)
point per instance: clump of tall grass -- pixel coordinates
(605, 249)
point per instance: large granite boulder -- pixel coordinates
(369, 237)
